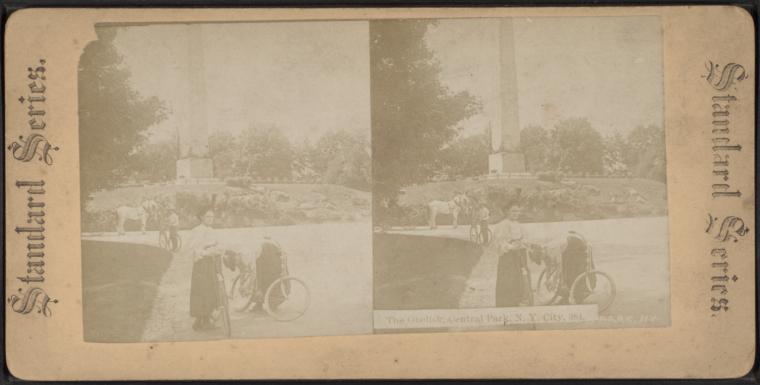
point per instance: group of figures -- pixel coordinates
(569, 275)
(262, 283)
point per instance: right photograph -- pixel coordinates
(519, 174)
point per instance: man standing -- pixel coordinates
(512, 275)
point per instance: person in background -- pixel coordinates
(483, 217)
(203, 290)
(173, 228)
(512, 270)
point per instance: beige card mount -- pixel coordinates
(380, 193)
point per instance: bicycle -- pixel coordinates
(286, 299)
(164, 240)
(590, 286)
(476, 235)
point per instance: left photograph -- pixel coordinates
(225, 181)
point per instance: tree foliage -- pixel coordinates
(536, 145)
(645, 152)
(579, 146)
(413, 114)
(154, 161)
(260, 151)
(113, 117)
(466, 157)
(574, 146)
(338, 157)
(343, 158)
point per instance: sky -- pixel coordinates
(309, 78)
(606, 69)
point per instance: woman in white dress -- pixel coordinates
(203, 291)
(512, 271)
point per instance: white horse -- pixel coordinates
(454, 207)
(141, 213)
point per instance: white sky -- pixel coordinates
(307, 78)
(312, 77)
(606, 69)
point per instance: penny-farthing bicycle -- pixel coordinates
(286, 299)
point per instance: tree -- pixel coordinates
(579, 147)
(467, 156)
(536, 145)
(113, 117)
(154, 161)
(225, 150)
(303, 165)
(615, 148)
(645, 152)
(413, 114)
(265, 152)
(343, 158)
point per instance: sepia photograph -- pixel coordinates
(225, 181)
(380, 193)
(519, 174)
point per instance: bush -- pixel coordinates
(549, 176)
(242, 182)
(99, 221)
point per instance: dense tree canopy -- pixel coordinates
(645, 152)
(466, 157)
(536, 145)
(113, 117)
(413, 114)
(580, 148)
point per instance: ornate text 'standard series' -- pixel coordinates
(31, 297)
(728, 229)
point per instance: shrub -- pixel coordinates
(549, 176)
(242, 182)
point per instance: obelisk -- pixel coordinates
(193, 163)
(506, 157)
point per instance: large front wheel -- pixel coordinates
(593, 287)
(287, 299)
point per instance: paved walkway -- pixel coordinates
(333, 259)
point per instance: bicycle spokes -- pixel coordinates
(594, 287)
(287, 299)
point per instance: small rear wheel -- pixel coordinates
(287, 299)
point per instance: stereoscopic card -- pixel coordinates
(380, 193)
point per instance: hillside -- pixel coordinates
(543, 201)
(259, 204)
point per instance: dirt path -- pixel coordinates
(333, 259)
(633, 251)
